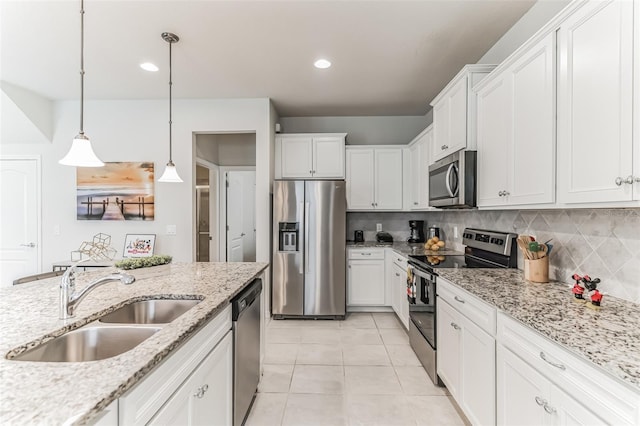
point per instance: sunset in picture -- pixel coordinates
(117, 191)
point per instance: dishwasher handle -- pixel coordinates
(245, 299)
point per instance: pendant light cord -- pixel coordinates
(170, 102)
(82, 67)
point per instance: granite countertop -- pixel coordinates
(609, 338)
(405, 248)
(74, 393)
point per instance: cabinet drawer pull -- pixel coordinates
(628, 180)
(541, 402)
(544, 358)
(365, 254)
(201, 391)
(456, 326)
(549, 409)
(458, 299)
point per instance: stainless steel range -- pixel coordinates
(483, 249)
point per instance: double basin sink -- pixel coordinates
(112, 334)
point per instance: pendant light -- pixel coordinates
(170, 173)
(81, 154)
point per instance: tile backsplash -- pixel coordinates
(603, 243)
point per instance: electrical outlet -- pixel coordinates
(378, 227)
(455, 232)
(171, 230)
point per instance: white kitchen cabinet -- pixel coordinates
(595, 111)
(569, 389)
(467, 351)
(454, 113)
(207, 395)
(516, 129)
(366, 277)
(163, 393)
(310, 156)
(449, 327)
(374, 178)
(419, 153)
(398, 286)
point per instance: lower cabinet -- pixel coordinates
(366, 277)
(399, 300)
(192, 386)
(526, 397)
(466, 352)
(206, 397)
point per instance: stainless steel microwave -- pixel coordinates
(452, 181)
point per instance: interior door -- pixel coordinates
(235, 217)
(19, 219)
(240, 213)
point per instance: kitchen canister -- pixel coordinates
(537, 270)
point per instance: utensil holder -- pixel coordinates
(537, 270)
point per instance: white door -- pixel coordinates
(449, 332)
(388, 179)
(417, 184)
(494, 136)
(359, 179)
(19, 219)
(566, 411)
(440, 129)
(366, 283)
(457, 99)
(240, 216)
(297, 156)
(595, 91)
(328, 157)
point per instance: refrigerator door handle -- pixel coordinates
(306, 236)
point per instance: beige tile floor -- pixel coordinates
(360, 371)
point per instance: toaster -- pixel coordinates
(384, 237)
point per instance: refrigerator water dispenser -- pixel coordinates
(288, 236)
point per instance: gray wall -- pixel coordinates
(603, 243)
(388, 130)
(232, 149)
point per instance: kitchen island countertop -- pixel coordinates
(609, 338)
(74, 393)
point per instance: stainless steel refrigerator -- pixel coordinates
(309, 220)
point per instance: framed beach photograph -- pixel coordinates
(139, 245)
(117, 191)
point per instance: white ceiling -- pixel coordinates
(389, 57)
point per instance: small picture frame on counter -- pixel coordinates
(139, 245)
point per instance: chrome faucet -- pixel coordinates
(69, 299)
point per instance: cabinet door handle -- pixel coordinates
(629, 180)
(415, 203)
(541, 402)
(458, 299)
(506, 193)
(372, 204)
(557, 365)
(549, 409)
(637, 179)
(456, 326)
(397, 274)
(201, 391)
(500, 194)
(31, 245)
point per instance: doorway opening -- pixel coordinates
(225, 197)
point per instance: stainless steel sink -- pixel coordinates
(155, 311)
(89, 344)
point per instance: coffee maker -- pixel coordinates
(417, 231)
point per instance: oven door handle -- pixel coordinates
(447, 180)
(421, 274)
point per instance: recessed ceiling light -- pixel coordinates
(148, 66)
(322, 63)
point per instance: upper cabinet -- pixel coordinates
(374, 178)
(419, 151)
(595, 104)
(454, 112)
(516, 129)
(310, 156)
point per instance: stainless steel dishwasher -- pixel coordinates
(246, 313)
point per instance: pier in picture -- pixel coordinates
(117, 191)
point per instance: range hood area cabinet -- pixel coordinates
(598, 148)
(454, 113)
(516, 129)
(310, 156)
(374, 177)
